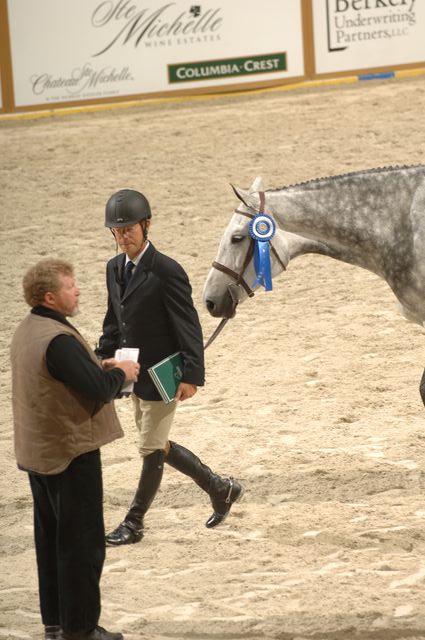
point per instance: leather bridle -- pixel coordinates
(239, 277)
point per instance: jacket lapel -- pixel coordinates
(141, 272)
(115, 279)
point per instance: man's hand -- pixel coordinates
(130, 368)
(108, 363)
(185, 391)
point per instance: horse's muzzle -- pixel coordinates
(224, 309)
(226, 306)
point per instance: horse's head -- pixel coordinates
(231, 280)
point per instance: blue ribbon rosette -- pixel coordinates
(262, 229)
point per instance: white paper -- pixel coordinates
(128, 353)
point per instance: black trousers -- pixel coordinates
(70, 543)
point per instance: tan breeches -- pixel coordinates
(153, 420)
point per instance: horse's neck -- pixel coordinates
(356, 220)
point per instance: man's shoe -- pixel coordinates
(125, 533)
(98, 633)
(52, 632)
(222, 506)
(223, 492)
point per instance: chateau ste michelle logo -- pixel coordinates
(132, 26)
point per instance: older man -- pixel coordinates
(62, 414)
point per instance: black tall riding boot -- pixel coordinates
(223, 492)
(131, 529)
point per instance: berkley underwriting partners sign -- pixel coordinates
(67, 51)
(227, 68)
(366, 34)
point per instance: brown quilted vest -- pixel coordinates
(52, 423)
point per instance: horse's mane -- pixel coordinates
(316, 181)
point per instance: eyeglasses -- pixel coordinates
(121, 230)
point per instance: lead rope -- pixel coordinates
(216, 332)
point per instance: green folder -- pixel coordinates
(166, 375)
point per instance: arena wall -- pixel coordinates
(58, 53)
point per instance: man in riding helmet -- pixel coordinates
(150, 307)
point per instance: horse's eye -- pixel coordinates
(237, 238)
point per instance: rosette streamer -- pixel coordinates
(262, 229)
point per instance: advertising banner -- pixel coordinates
(74, 50)
(367, 34)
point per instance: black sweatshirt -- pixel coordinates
(68, 362)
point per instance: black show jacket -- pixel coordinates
(156, 314)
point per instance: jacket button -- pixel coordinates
(123, 324)
(124, 341)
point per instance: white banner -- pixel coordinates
(368, 34)
(69, 50)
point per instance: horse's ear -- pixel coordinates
(257, 185)
(246, 197)
(241, 194)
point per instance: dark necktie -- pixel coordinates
(128, 271)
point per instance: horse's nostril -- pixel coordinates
(210, 305)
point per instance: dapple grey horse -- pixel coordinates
(374, 219)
